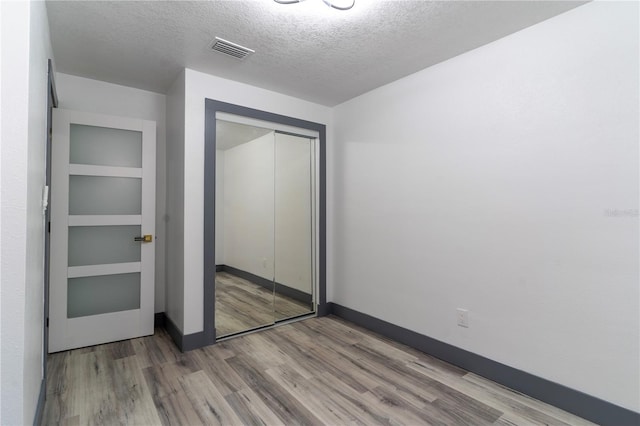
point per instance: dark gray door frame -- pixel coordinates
(211, 108)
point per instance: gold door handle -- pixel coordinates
(144, 239)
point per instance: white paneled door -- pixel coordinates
(102, 229)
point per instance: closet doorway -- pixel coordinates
(264, 230)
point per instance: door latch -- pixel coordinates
(144, 239)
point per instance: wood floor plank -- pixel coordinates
(411, 353)
(210, 405)
(134, 402)
(251, 410)
(284, 352)
(68, 421)
(504, 421)
(73, 421)
(222, 350)
(465, 409)
(89, 392)
(163, 379)
(325, 327)
(329, 338)
(457, 404)
(514, 408)
(372, 414)
(352, 358)
(120, 349)
(155, 350)
(254, 346)
(57, 374)
(84, 391)
(322, 359)
(59, 409)
(176, 409)
(223, 377)
(282, 403)
(318, 371)
(319, 403)
(387, 371)
(524, 405)
(407, 412)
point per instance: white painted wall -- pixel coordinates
(174, 306)
(504, 181)
(25, 49)
(249, 206)
(83, 94)
(198, 87)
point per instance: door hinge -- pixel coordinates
(47, 322)
(49, 227)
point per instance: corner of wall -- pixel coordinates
(40, 52)
(174, 254)
(24, 117)
(14, 26)
(506, 184)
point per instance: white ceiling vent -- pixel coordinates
(231, 49)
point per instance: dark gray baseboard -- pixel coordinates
(323, 309)
(285, 290)
(37, 419)
(184, 342)
(571, 400)
(159, 319)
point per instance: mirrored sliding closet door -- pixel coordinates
(265, 206)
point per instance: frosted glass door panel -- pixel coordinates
(100, 245)
(103, 294)
(89, 195)
(105, 146)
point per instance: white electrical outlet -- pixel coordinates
(463, 317)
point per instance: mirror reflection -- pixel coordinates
(265, 202)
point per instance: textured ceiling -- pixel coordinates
(305, 50)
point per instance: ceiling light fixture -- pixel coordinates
(336, 4)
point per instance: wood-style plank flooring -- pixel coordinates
(312, 372)
(242, 305)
